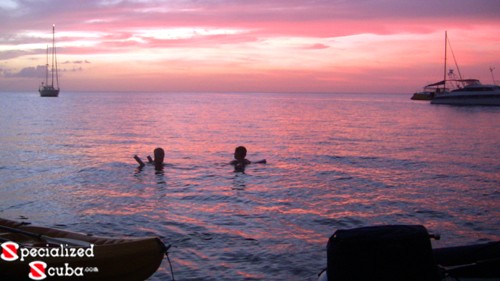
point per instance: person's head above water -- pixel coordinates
(159, 154)
(240, 153)
(240, 161)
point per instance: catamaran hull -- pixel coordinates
(475, 99)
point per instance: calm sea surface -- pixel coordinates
(334, 161)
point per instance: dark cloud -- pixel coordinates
(76, 62)
(27, 72)
(6, 55)
(74, 69)
(112, 14)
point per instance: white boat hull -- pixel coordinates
(474, 98)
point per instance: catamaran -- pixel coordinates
(46, 89)
(459, 91)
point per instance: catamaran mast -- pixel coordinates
(445, 59)
(492, 76)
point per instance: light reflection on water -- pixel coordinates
(334, 161)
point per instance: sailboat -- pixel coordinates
(459, 91)
(46, 89)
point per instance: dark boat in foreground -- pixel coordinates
(37, 253)
(404, 252)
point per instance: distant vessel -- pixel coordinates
(429, 91)
(471, 93)
(465, 91)
(46, 89)
(424, 95)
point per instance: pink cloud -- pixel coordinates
(232, 40)
(317, 46)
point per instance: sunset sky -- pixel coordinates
(388, 46)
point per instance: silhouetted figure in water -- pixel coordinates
(159, 156)
(240, 161)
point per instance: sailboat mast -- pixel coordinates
(47, 67)
(53, 51)
(55, 61)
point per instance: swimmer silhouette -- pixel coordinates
(159, 156)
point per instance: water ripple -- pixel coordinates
(334, 161)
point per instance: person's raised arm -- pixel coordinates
(141, 164)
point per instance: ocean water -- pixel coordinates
(335, 161)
